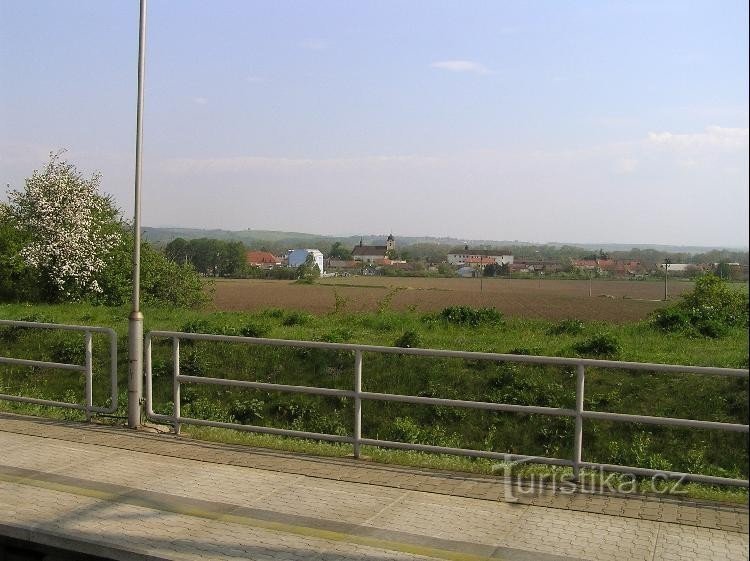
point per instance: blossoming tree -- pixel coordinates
(72, 228)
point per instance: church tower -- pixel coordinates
(390, 244)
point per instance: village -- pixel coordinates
(467, 262)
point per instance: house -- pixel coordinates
(479, 257)
(298, 257)
(344, 264)
(262, 259)
(373, 253)
(677, 267)
(536, 266)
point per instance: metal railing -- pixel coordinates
(580, 414)
(87, 367)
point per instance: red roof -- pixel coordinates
(261, 258)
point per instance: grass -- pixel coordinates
(709, 398)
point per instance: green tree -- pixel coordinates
(309, 270)
(18, 281)
(178, 250)
(340, 251)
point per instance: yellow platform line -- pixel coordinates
(176, 508)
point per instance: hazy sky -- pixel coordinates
(526, 120)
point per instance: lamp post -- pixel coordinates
(135, 320)
(667, 263)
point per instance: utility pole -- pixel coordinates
(667, 263)
(135, 320)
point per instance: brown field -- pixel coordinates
(615, 301)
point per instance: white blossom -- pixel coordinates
(70, 225)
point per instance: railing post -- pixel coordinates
(578, 439)
(176, 383)
(357, 401)
(89, 374)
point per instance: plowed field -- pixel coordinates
(614, 301)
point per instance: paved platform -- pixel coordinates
(133, 495)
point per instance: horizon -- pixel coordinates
(613, 121)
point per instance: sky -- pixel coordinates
(584, 121)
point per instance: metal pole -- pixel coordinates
(89, 365)
(578, 439)
(357, 401)
(666, 275)
(135, 322)
(589, 284)
(176, 383)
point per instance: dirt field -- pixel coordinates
(615, 301)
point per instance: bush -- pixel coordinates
(408, 340)
(255, 329)
(247, 411)
(567, 327)
(297, 318)
(474, 317)
(163, 282)
(671, 319)
(711, 309)
(599, 345)
(338, 335)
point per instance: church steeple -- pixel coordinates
(390, 244)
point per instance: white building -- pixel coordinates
(677, 267)
(479, 256)
(298, 257)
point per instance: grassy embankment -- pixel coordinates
(708, 398)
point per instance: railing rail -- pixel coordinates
(579, 414)
(87, 367)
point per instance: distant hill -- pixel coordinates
(256, 238)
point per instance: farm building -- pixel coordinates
(373, 253)
(262, 259)
(479, 256)
(298, 257)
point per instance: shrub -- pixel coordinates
(711, 309)
(338, 335)
(405, 429)
(255, 329)
(297, 318)
(567, 327)
(409, 339)
(247, 410)
(671, 319)
(474, 317)
(599, 345)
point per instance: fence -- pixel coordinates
(357, 395)
(87, 367)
